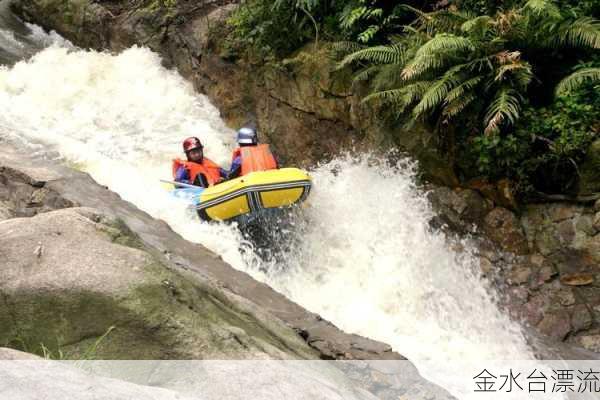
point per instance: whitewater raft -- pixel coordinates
(249, 195)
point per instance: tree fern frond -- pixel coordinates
(436, 94)
(503, 109)
(519, 69)
(392, 96)
(425, 63)
(462, 89)
(446, 42)
(576, 79)
(542, 8)
(415, 91)
(456, 106)
(368, 34)
(477, 24)
(445, 21)
(400, 97)
(377, 54)
(389, 76)
(583, 32)
(366, 74)
(351, 15)
(344, 47)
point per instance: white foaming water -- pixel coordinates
(8, 41)
(364, 256)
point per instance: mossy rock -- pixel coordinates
(75, 280)
(589, 179)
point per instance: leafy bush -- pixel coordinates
(451, 63)
(276, 28)
(508, 76)
(545, 149)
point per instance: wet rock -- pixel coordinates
(556, 325)
(585, 224)
(538, 260)
(5, 211)
(596, 223)
(566, 232)
(590, 342)
(577, 279)
(500, 193)
(519, 275)
(85, 282)
(589, 172)
(521, 294)
(581, 318)
(486, 266)
(565, 297)
(503, 227)
(532, 311)
(461, 210)
(560, 212)
(597, 205)
(506, 194)
(544, 272)
(593, 247)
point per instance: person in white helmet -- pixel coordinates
(250, 156)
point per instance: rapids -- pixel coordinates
(361, 254)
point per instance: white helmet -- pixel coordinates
(247, 135)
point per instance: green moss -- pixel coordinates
(120, 233)
(589, 181)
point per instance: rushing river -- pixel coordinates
(363, 255)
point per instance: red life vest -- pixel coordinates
(255, 158)
(207, 168)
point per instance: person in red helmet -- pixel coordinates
(197, 169)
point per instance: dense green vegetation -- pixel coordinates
(516, 82)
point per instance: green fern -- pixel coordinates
(577, 79)
(450, 59)
(393, 54)
(583, 32)
(503, 109)
(542, 8)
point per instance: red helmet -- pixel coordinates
(191, 143)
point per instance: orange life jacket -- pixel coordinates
(255, 158)
(207, 168)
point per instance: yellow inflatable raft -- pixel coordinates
(253, 192)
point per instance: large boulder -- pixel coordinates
(73, 277)
(26, 377)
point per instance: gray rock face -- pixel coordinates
(56, 381)
(544, 259)
(70, 275)
(24, 376)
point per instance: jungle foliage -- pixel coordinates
(519, 81)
